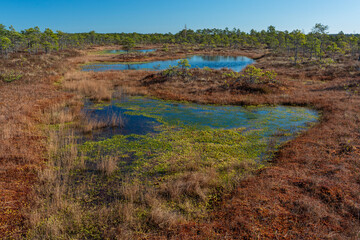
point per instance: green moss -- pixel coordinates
(171, 153)
(180, 149)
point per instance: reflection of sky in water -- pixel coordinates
(215, 62)
(133, 124)
(140, 116)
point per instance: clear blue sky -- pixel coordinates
(149, 16)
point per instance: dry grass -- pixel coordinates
(89, 123)
(44, 220)
(103, 86)
(193, 184)
(60, 113)
(107, 165)
(163, 218)
(21, 143)
(96, 90)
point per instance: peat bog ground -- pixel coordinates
(309, 189)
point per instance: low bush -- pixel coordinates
(10, 76)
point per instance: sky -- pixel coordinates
(163, 16)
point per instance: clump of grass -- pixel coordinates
(107, 165)
(61, 114)
(96, 90)
(192, 184)
(10, 76)
(163, 217)
(83, 83)
(89, 123)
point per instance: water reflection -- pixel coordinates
(216, 62)
(142, 115)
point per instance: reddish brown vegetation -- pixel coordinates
(311, 190)
(205, 82)
(21, 143)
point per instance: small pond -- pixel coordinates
(144, 115)
(166, 140)
(166, 144)
(216, 62)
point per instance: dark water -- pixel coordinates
(142, 115)
(134, 50)
(133, 124)
(215, 62)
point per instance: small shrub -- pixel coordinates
(157, 67)
(165, 48)
(257, 75)
(328, 61)
(207, 69)
(253, 74)
(180, 70)
(270, 76)
(233, 75)
(184, 64)
(170, 71)
(10, 76)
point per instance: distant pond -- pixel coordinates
(215, 62)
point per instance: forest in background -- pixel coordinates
(316, 44)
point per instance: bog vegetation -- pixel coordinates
(195, 190)
(315, 44)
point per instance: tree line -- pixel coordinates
(316, 43)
